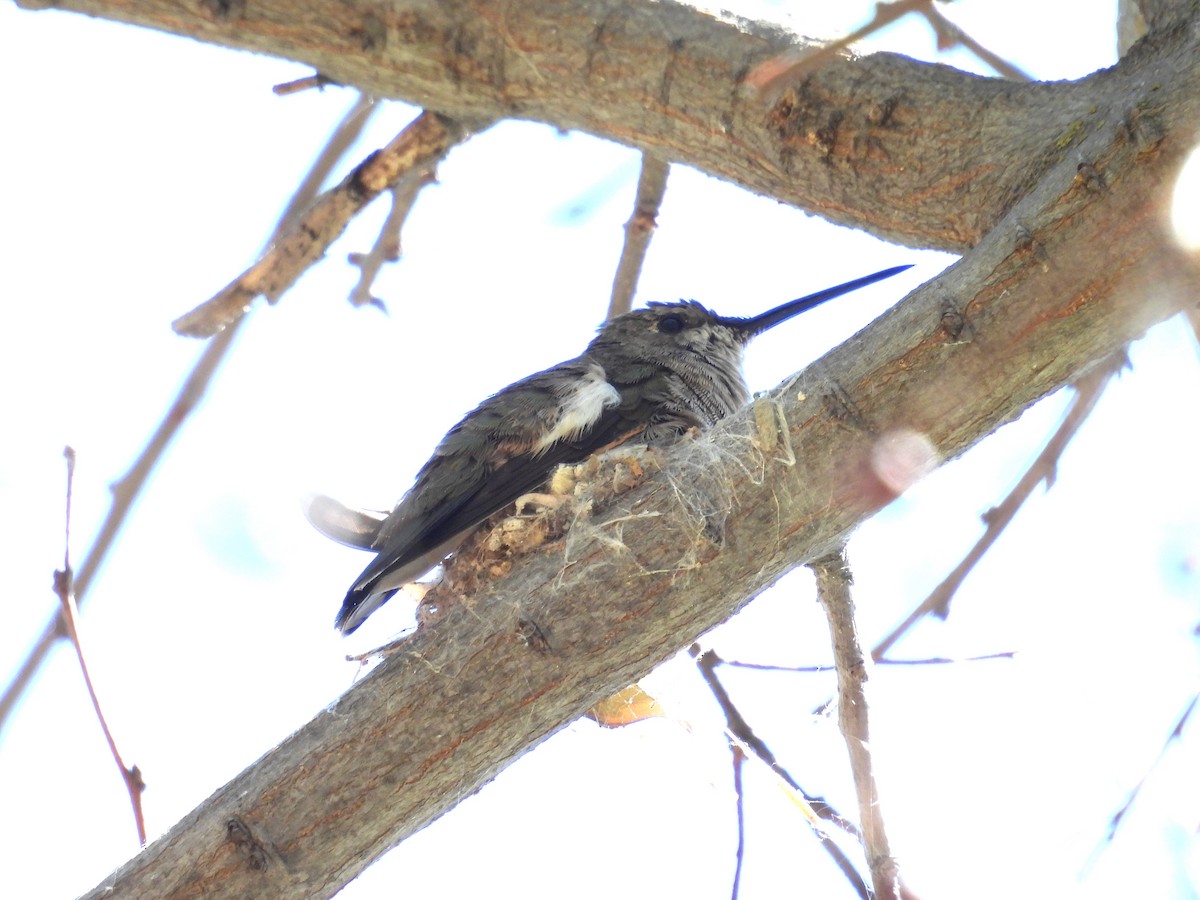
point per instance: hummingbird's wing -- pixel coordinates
(506, 447)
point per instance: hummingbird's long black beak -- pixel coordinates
(771, 318)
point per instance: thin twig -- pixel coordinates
(308, 82)
(949, 34)
(929, 661)
(125, 493)
(946, 660)
(64, 587)
(1176, 733)
(739, 763)
(1088, 391)
(387, 245)
(340, 140)
(768, 77)
(833, 589)
(742, 734)
(652, 185)
(128, 488)
(422, 143)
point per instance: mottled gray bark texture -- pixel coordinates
(918, 154)
(1058, 192)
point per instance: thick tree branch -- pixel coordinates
(1080, 266)
(918, 154)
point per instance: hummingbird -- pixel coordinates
(648, 376)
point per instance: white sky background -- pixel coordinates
(143, 172)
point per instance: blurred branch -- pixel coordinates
(424, 142)
(770, 77)
(337, 145)
(949, 35)
(738, 758)
(652, 185)
(308, 82)
(126, 491)
(128, 488)
(1176, 733)
(833, 590)
(64, 587)
(929, 661)
(1088, 391)
(743, 736)
(387, 245)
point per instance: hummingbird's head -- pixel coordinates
(686, 334)
(684, 328)
(688, 326)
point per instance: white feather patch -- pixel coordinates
(579, 409)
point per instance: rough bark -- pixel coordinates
(919, 154)
(1059, 188)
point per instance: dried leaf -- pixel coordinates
(626, 706)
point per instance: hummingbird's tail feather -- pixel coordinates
(358, 605)
(385, 577)
(346, 525)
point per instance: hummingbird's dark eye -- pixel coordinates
(670, 324)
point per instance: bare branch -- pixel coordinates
(387, 246)
(950, 34)
(929, 661)
(652, 185)
(129, 487)
(833, 589)
(744, 741)
(1176, 733)
(425, 141)
(125, 492)
(739, 762)
(344, 134)
(64, 587)
(767, 78)
(308, 82)
(1088, 392)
